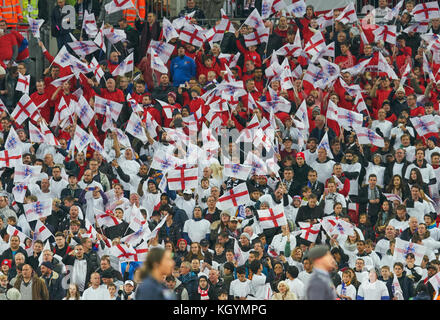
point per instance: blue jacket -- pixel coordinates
(150, 289)
(182, 69)
(190, 282)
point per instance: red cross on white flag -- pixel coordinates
(234, 197)
(426, 11)
(25, 109)
(272, 217)
(106, 219)
(117, 5)
(309, 232)
(181, 179)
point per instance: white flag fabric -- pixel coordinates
(349, 119)
(102, 105)
(368, 136)
(235, 170)
(325, 20)
(397, 289)
(254, 20)
(333, 225)
(326, 145)
(58, 82)
(424, 124)
(163, 161)
(297, 9)
(24, 172)
(107, 220)
(181, 179)
(90, 230)
(309, 232)
(117, 5)
(157, 63)
(34, 25)
(256, 37)
(402, 248)
(23, 83)
(164, 50)
(13, 141)
(386, 34)
(84, 111)
(192, 34)
(435, 281)
(38, 209)
(12, 231)
(19, 191)
(81, 138)
(272, 217)
(42, 232)
(348, 15)
(83, 48)
(394, 11)
(134, 127)
(89, 24)
(168, 31)
(426, 11)
(234, 197)
(315, 44)
(125, 66)
(266, 8)
(10, 159)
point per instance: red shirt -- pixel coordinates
(40, 98)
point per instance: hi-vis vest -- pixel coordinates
(130, 14)
(30, 8)
(11, 10)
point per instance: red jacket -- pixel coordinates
(40, 98)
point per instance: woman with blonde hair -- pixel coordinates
(217, 173)
(72, 293)
(284, 292)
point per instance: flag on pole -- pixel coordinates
(83, 48)
(12, 231)
(426, 11)
(235, 170)
(297, 9)
(254, 20)
(348, 15)
(164, 50)
(157, 63)
(349, 119)
(89, 24)
(135, 128)
(168, 31)
(117, 5)
(24, 172)
(333, 225)
(81, 139)
(326, 145)
(10, 159)
(19, 191)
(424, 124)
(309, 231)
(106, 219)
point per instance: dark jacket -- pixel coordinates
(150, 289)
(373, 208)
(199, 15)
(306, 213)
(147, 34)
(56, 22)
(54, 286)
(190, 282)
(171, 233)
(317, 188)
(7, 254)
(116, 231)
(301, 173)
(116, 275)
(407, 286)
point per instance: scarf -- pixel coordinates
(203, 293)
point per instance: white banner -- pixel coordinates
(322, 6)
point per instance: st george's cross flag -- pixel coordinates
(23, 83)
(90, 230)
(386, 34)
(10, 159)
(106, 219)
(118, 5)
(309, 231)
(426, 11)
(25, 109)
(123, 252)
(435, 282)
(348, 15)
(89, 24)
(402, 248)
(38, 209)
(234, 197)
(181, 179)
(333, 225)
(272, 217)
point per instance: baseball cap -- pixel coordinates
(318, 252)
(129, 282)
(204, 243)
(187, 191)
(300, 155)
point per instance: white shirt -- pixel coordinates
(373, 291)
(79, 273)
(279, 242)
(324, 170)
(187, 206)
(396, 131)
(329, 202)
(379, 171)
(297, 287)
(197, 230)
(398, 225)
(310, 157)
(240, 289)
(258, 286)
(427, 172)
(385, 126)
(57, 186)
(354, 183)
(100, 293)
(349, 291)
(304, 276)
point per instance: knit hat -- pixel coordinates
(152, 181)
(297, 198)
(433, 139)
(8, 262)
(300, 155)
(229, 266)
(181, 239)
(246, 235)
(48, 265)
(317, 252)
(172, 94)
